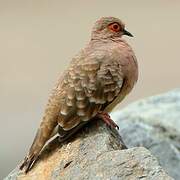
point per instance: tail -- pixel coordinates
(42, 136)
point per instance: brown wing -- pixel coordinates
(88, 86)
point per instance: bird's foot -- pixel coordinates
(107, 119)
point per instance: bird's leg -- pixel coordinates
(107, 119)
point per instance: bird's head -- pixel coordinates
(109, 27)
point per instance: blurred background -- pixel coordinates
(38, 38)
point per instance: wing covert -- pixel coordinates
(88, 86)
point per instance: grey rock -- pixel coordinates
(134, 163)
(96, 153)
(154, 123)
(160, 109)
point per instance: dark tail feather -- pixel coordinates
(42, 136)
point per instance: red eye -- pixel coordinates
(114, 27)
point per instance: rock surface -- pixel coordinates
(96, 153)
(154, 123)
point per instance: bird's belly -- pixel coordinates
(114, 103)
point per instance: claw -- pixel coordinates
(107, 119)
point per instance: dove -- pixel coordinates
(97, 79)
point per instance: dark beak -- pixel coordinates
(127, 33)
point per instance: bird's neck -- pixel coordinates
(109, 39)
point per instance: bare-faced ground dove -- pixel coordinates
(97, 79)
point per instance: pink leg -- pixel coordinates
(107, 119)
